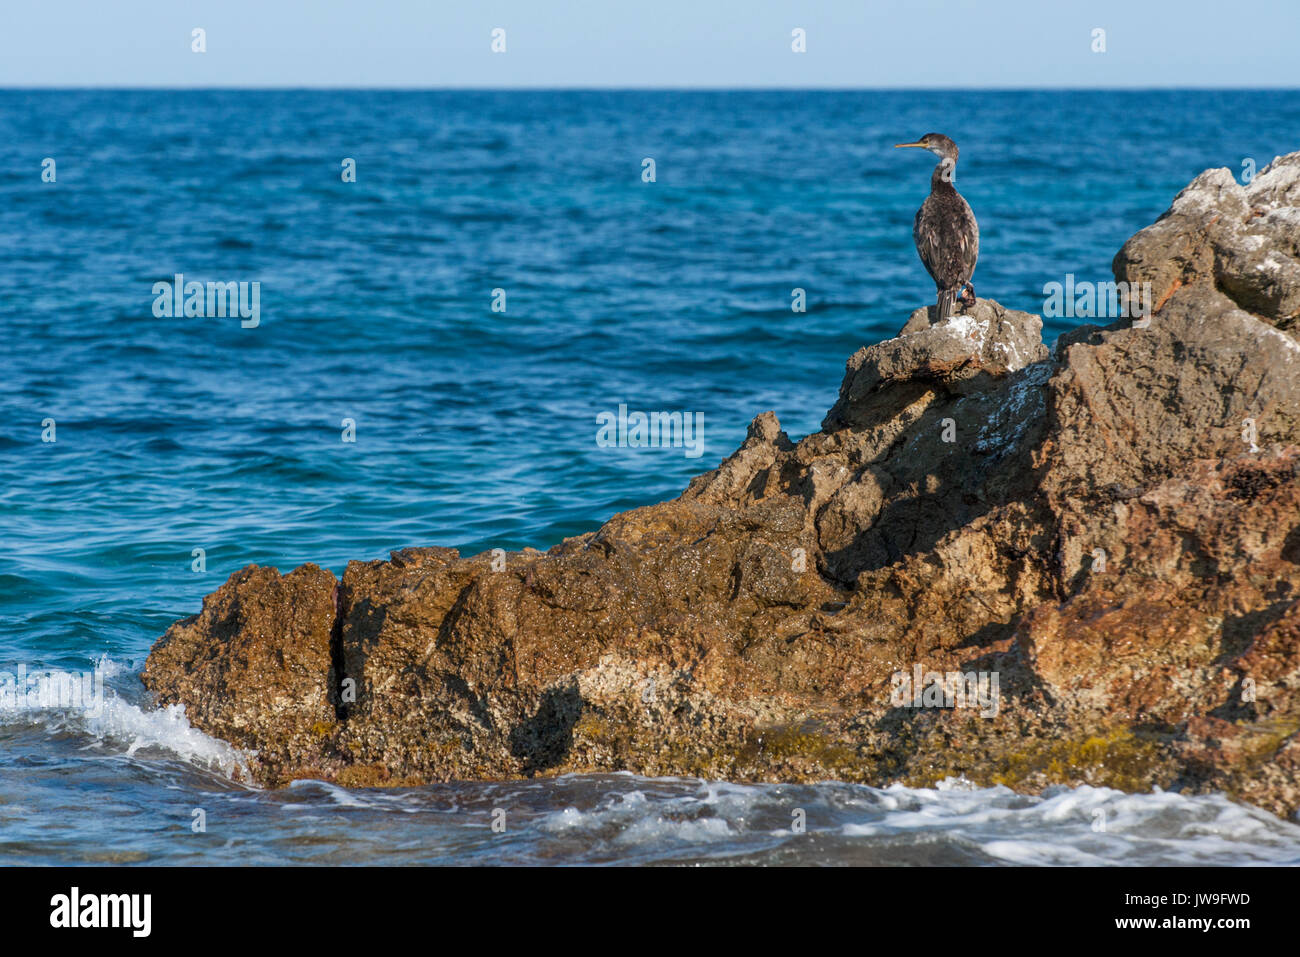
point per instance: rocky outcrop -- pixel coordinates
(1222, 247)
(1100, 541)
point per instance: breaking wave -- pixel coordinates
(86, 704)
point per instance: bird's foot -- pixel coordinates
(968, 295)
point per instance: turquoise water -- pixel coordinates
(474, 428)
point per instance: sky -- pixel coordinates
(651, 43)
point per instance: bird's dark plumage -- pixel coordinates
(945, 232)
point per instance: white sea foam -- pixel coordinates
(628, 818)
(168, 728)
(1083, 825)
(116, 723)
(1089, 825)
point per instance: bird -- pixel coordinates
(946, 234)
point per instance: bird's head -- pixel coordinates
(936, 143)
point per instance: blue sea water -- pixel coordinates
(477, 428)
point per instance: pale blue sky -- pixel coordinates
(655, 43)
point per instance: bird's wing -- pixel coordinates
(926, 233)
(947, 239)
(972, 251)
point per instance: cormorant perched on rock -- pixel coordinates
(945, 231)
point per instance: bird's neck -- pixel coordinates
(943, 176)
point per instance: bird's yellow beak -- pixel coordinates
(899, 146)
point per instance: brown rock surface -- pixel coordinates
(1112, 529)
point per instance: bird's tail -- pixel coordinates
(947, 302)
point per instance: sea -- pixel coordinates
(451, 288)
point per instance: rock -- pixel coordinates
(962, 354)
(1241, 242)
(1110, 529)
(216, 663)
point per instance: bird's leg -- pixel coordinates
(968, 295)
